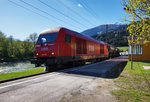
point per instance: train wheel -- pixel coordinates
(37, 65)
(49, 68)
(80, 63)
(71, 64)
(83, 63)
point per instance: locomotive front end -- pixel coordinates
(45, 48)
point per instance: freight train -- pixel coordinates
(59, 45)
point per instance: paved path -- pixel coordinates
(75, 84)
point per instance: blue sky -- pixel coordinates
(19, 22)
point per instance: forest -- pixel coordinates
(16, 49)
(118, 37)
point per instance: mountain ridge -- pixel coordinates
(98, 30)
(114, 34)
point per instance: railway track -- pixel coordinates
(64, 69)
(54, 85)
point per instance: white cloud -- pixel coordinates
(79, 5)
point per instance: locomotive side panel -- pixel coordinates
(59, 44)
(64, 44)
(105, 50)
(102, 49)
(81, 46)
(73, 46)
(91, 48)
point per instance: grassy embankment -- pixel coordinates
(5, 76)
(134, 84)
(124, 48)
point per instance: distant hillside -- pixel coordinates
(117, 34)
(102, 29)
(118, 37)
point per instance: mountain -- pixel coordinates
(16, 39)
(102, 29)
(114, 34)
(117, 37)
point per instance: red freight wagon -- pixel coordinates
(59, 45)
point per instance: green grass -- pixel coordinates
(5, 76)
(132, 96)
(138, 68)
(124, 48)
(134, 84)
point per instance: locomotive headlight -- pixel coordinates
(52, 53)
(37, 54)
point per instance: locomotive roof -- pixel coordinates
(83, 36)
(57, 29)
(51, 30)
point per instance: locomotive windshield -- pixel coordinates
(46, 38)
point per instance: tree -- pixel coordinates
(11, 48)
(3, 46)
(33, 38)
(139, 17)
(2, 37)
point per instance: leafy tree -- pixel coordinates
(28, 48)
(18, 50)
(139, 16)
(11, 49)
(2, 37)
(3, 46)
(33, 38)
(11, 44)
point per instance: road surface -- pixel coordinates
(87, 83)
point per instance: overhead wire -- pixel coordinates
(87, 8)
(85, 2)
(62, 13)
(48, 14)
(69, 8)
(29, 10)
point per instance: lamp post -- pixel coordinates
(132, 52)
(131, 56)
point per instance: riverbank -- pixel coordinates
(6, 76)
(9, 67)
(15, 60)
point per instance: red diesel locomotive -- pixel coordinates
(57, 46)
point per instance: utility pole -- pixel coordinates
(131, 56)
(132, 53)
(106, 30)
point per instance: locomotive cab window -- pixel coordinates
(46, 38)
(68, 38)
